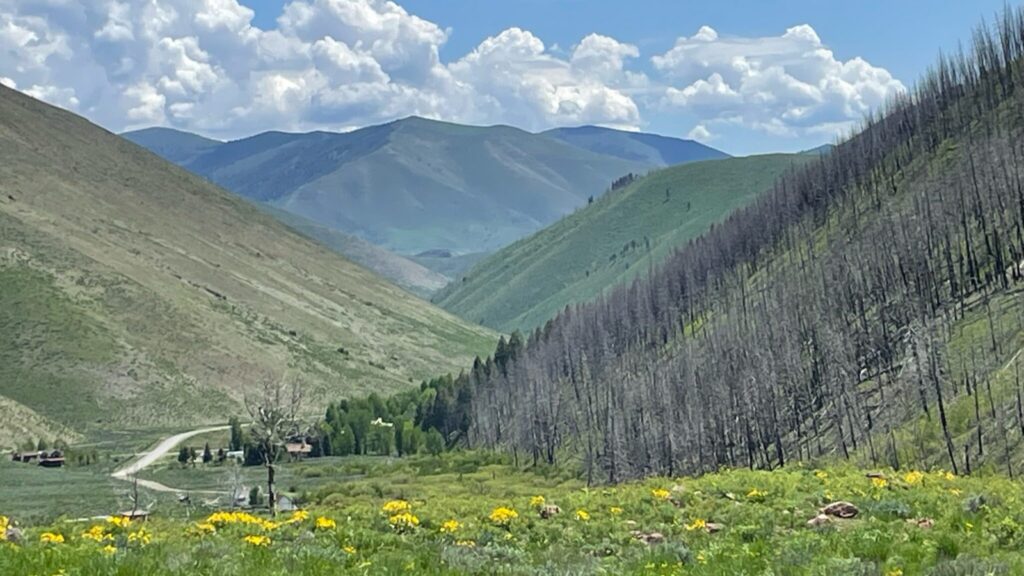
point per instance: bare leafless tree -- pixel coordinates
(275, 409)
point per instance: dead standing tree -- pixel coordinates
(274, 410)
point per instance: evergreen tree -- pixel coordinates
(207, 454)
(183, 455)
(237, 435)
(434, 442)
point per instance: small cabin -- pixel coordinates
(134, 515)
(26, 456)
(297, 450)
(53, 459)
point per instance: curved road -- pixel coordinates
(135, 466)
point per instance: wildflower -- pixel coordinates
(582, 515)
(820, 474)
(97, 533)
(109, 550)
(349, 549)
(950, 476)
(702, 558)
(404, 521)
(205, 528)
(4, 523)
(393, 507)
(895, 571)
(503, 516)
(661, 494)
(879, 482)
(913, 477)
(537, 501)
(697, 524)
(615, 510)
(450, 526)
(119, 521)
(465, 543)
(257, 540)
(140, 537)
(955, 491)
(298, 516)
(324, 523)
(51, 538)
(756, 495)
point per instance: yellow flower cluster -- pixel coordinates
(537, 501)
(298, 516)
(140, 537)
(450, 526)
(324, 523)
(582, 515)
(404, 521)
(913, 477)
(119, 521)
(615, 510)
(109, 550)
(218, 519)
(4, 523)
(51, 538)
(503, 515)
(349, 549)
(97, 533)
(879, 482)
(393, 507)
(820, 474)
(697, 524)
(466, 543)
(756, 495)
(661, 494)
(257, 540)
(205, 528)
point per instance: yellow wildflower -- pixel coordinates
(615, 510)
(913, 477)
(257, 540)
(582, 515)
(324, 523)
(205, 528)
(702, 558)
(51, 538)
(820, 474)
(349, 549)
(450, 526)
(697, 524)
(4, 523)
(503, 516)
(950, 476)
(955, 491)
(661, 494)
(393, 507)
(466, 543)
(119, 521)
(97, 533)
(109, 550)
(298, 516)
(537, 501)
(140, 537)
(894, 572)
(879, 482)
(756, 495)
(404, 521)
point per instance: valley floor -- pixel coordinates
(474, 513)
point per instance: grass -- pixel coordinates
(134, 292)
(619, 236)
(908, 523)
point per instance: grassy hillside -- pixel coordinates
(637, 146)
(405, 272)
(415, 184)
(610, 241)
(132, 292)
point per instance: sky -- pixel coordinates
(744, 76)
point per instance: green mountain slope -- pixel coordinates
(637, 146)
(610, 241)
(414, 184)
(133, 293)
(405, 272)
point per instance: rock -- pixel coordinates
(840, 510)
(923, 523)
(649, 538)
(549, 510)
(14, 535)
(819, 520)
(713, 527)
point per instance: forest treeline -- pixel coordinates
(815, 321)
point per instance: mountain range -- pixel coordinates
(133, 293)
(418, 185)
